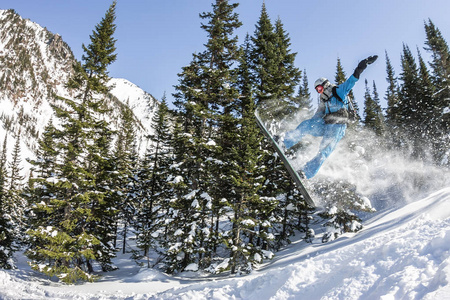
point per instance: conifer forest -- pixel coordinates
(209, 193)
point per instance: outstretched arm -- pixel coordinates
(344, 88)
(363, 65)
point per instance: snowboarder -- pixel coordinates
(329, 121)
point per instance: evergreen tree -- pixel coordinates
(394, 136)
(340, 74)
(246, 180)
(205, 99)
(180, 212)
(264, 57)
(3, 170)
(124, 181)
(391, 96)
(409, 100)
(381, 122)
(373, 118)
(417, 104)
(80, 213)
(440, 65)
(304, 99)
(272, 64)
(245, 78)
(246, 184)
(155, 192)
(7, 234)
(428, 125)
(99, 54)
(369, 109)
(41, 192)
(223, 85)
(287, 75)
(15, 204)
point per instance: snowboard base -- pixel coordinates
(295, 176)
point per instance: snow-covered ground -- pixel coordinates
(401, 253)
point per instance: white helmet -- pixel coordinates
(321, 81)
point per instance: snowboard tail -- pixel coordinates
(294, 175)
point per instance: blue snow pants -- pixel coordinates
(332, 134)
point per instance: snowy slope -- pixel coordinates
(143, 105)
(400, 254)
(26, 94)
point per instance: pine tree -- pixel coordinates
(51, 249)
(340, 74)
(373, 118)
(123, 177)
(394, 134)
(369, 109)
(287, 76)
(80, 215)
(381, 122)
(428, 125)
(155, 192)
(7, 234)
(3, 169)
(99, 54)
(304, 99)
(391, 95)
(272, 64)
(15, 204)
(245, 179)
(440, 65)
(42, 191)
(180, 211)
(205, 101)
(264, 58)
(417, 103)
(408, 101)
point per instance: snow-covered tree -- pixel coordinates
(7, 233)
(155, 192)
(15, 204)
(123, 177)
(204, 100)
(79, 214)
(440, 65)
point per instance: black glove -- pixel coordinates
(371, 59)
(363, 65)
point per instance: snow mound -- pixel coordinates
(401, 253)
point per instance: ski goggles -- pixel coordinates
(320, 87)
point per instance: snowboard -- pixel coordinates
(295, 177)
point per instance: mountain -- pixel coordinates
(35, 64)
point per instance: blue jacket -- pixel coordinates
(334, 104)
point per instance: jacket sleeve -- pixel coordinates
(344, 88)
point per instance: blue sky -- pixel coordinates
(156, 38)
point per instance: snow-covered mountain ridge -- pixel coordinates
(402, 253)
(35, 64)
